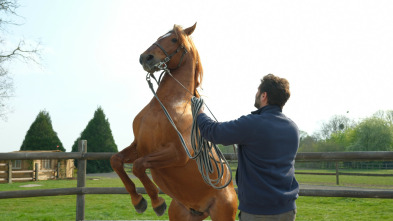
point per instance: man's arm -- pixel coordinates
(226, 133)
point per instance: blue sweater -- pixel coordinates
(268, 142)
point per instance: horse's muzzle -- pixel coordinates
(149, 62)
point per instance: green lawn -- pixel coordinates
(348, 180)
(118, 207)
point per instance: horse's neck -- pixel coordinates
(172, 89)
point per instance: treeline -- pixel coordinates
(41, 136)
(341, 133)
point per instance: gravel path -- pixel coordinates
(106, 175)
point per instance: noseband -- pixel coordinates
(162, 65)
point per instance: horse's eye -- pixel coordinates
(174, 40)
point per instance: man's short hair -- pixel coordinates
(277, 90)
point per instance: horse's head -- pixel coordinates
(170, 49)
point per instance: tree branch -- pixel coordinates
(26, 53)
(8, 7)
(20, 52)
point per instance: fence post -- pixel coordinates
(337, 180)
(9, 171)
(81, 181)
(36, 171)
(58, 169)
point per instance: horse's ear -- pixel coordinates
(190, 30)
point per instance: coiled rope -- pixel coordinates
(203, 150)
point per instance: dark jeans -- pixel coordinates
(287, 216)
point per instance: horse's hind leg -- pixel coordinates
(128, 155)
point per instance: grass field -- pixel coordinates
(118, 207)
(348, 180)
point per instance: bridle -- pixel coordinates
(163, 64)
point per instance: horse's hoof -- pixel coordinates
(141, 207)
(160, 210)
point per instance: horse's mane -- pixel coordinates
(187, 42)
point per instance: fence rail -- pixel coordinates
(82, 156)
(348, 174)
(301, 157)
(121, 190)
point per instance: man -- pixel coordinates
(268, 142)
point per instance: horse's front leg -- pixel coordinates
(128, 155)
(166, 157)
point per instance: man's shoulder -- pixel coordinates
(253, 119)
(250, 117)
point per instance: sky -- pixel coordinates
(337, 56)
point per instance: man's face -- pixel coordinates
(257, 103)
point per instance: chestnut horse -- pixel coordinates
(157, 145)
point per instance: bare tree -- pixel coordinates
(336, 124)
(21, 52)
(387, 116)
(379, 114)
(6, 91)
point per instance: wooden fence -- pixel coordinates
(32, 174)
(82, 156)
(338, 173)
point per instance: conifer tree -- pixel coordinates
(99, 139)
(41, 135)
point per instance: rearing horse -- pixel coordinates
(157, 145)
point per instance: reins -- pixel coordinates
(203, 150)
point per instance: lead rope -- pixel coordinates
(203, 149)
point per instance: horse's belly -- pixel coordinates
(185, 184)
